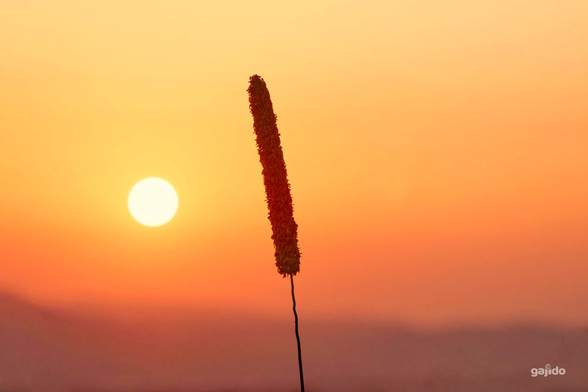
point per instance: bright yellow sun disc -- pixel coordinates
(153, 201)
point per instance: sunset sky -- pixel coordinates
(436, 152)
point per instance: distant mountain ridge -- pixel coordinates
(59, 350)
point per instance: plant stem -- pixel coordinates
(297, 335)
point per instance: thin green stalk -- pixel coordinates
(297, 335)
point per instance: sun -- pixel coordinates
(153, 202)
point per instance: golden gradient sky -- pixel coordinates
(436, 151)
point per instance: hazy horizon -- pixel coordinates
(52, 350)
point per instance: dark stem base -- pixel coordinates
(297, 335)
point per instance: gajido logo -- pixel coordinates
(548, 371)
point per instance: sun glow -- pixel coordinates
(153, 202)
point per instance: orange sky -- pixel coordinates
(437, 154)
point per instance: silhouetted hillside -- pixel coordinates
(50, 350)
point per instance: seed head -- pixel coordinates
(275, 179)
